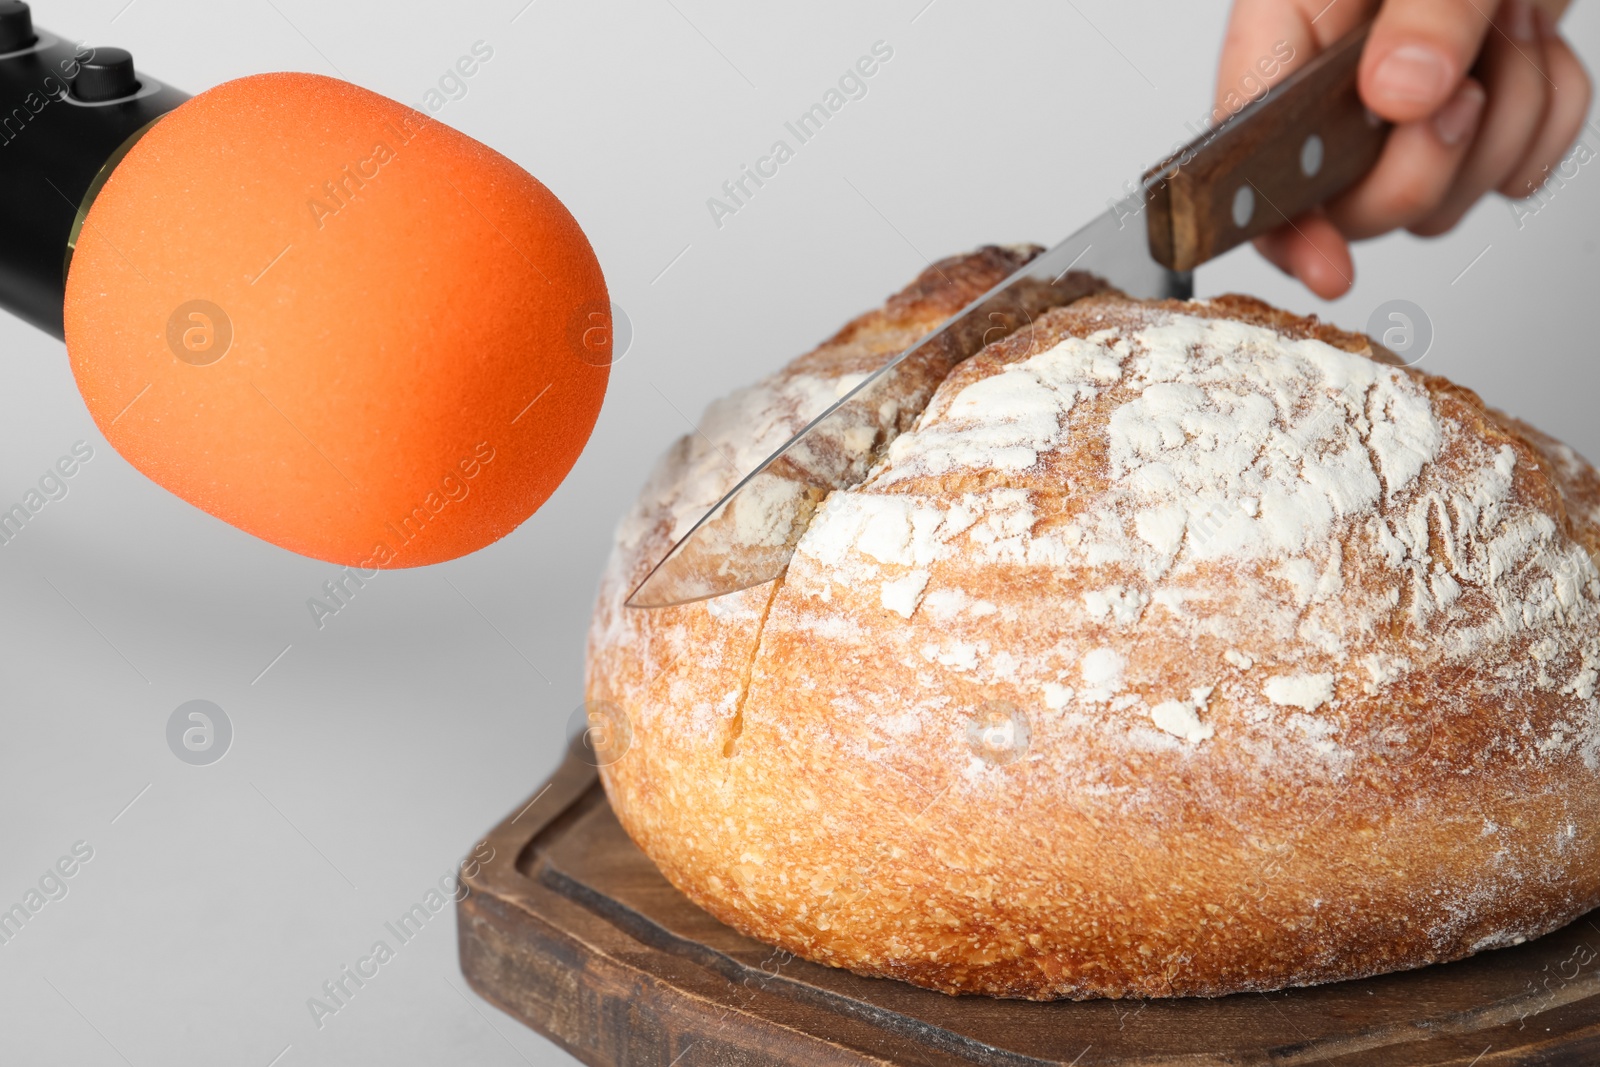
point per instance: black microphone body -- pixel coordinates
(67, 114)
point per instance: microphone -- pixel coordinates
(315, 313)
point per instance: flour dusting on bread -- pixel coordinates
(1225, 441)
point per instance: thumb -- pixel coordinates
(1418, 54)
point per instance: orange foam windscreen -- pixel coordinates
(337, 324)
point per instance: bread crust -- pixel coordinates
(1085, 745)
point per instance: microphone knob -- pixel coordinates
(16, 26)
(105, 75)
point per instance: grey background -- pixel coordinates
(374, 753)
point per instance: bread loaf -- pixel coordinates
(1179, 649)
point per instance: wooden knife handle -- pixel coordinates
(1307, 140)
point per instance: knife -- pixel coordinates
(1307, 139)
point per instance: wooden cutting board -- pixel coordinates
(570, 928)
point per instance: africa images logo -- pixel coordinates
(199, 332)
(739, 190)
(453, 487)
(52, 486)
(337, 992)
(199, 732)
(52, 887)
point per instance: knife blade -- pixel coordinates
(1309, 138)
(749, 535)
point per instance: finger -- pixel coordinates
(1569, 107)
(1418, 54)
(1512, 71)
(1266, 39)
(1415, 170)
(1312, 249)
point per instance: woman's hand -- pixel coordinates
(1483, 98)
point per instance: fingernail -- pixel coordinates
(1459, 117)
(1412, 73)
(1519, 22)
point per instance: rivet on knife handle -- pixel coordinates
(1309, 139)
